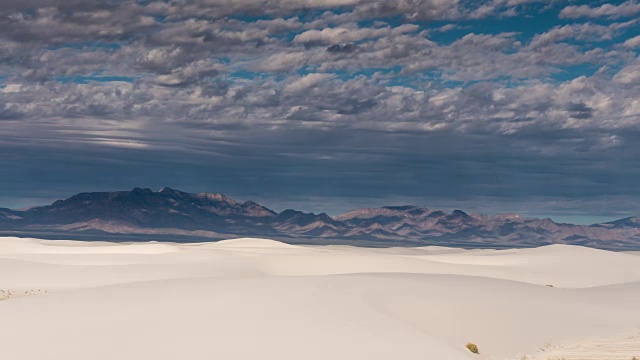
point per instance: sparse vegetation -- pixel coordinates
(8, 294)
(472, 347)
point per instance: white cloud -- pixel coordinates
(499, 7)
(633, 42)
(584, 32)
(627, 9)
(307, 81)
(630, 74)
(344, 35)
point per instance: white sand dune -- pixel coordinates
(621, 347)
(262, 299)
(35, 246)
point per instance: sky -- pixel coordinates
(495, 106)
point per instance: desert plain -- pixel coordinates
(251, 298)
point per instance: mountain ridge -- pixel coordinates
(144, 212)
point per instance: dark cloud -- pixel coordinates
(580, 111)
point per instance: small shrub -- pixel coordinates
(472, 347)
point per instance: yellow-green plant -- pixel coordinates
(472, 347)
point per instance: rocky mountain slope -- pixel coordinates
(207, 215)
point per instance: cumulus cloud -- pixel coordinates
(633, 42)
(505, 7)
(583, 32)
(627, 9)
(630, 74)
(344, 35)
(307, 81)
(196, 72)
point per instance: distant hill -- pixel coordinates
(145, 214)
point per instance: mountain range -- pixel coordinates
(168, 214)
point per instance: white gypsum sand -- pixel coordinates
(263, 299)
(621, 347)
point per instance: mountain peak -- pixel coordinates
(217, 197)
(166, 189)
(628, 222)
(459, 213)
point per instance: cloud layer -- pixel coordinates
(328, 103)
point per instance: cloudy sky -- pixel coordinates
(490, 106)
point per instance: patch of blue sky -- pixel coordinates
(244, 74)
(287, 36)
(629, 32)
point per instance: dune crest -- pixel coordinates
(253, 243)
